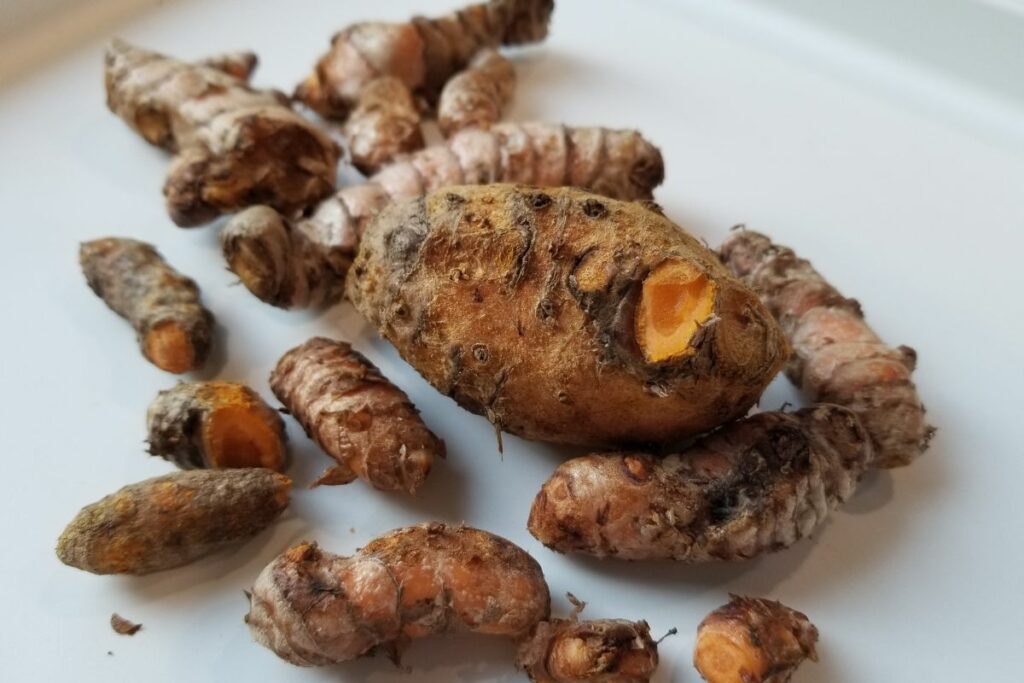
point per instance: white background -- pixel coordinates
(903, 182)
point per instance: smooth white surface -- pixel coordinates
(915, 580)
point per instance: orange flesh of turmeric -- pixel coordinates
(236, 436)
(675, 301)
(168, 346)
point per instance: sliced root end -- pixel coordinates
(242, 436)
(676, 300)
(168, 346)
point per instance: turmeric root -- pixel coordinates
(214, 425)
(169, 521)
(423, 53)
(314, 608)
(599, 651)
(837, 358)
(384, 125)
(752, 640)
(240, 64)
(173, 328)
(303, 263)
(755, 486)
(356, 415)
(476, 97)
(564, 316)
(236, 146)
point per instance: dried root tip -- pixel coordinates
(477, 96)
(837, 357)
(675, 301)
(215, 425)
(423, 53)
(123, 626)
(384, 125)
(752, 640)
(358, 417)
(173, 328)
(755, 486)
(314, 608)
(600, 651)
(237, 146)
(169, 521)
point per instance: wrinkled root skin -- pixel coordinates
(423, 53)
(384, 125)
(170, 521)
(182, 427)
(303, 263)
(752, 640)
(519, 304)
(837, 357)
(475, 98)
(358, 417)
(236, 146)
(598, 651)
(754, 486)
(136, 283)
(314, 608)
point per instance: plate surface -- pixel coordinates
(917, 214)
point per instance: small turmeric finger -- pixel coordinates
(384, 125)
(356, 416)
(837, 357)
(477, 96)
(752, 640)
(173, 328)
(755, 486)
(215, 425)
(314, 608)
(424, 53)
(598, 651)
(169, 521)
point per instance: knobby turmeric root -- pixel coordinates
(423, 53)
(314, 608)
(477, 96)
(384, 125)
(564, 316)
(235, 146)
(752, 640)
(168, 521)
(754, 486)
(837, 357)
(598, 651)
(304, 263)
(356, 416)
(215, 425)
(173, 328)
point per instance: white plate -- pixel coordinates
(916, 213)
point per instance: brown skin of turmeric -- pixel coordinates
(384, 125)
(303, 263)
(215, 425)
(359, 418)
(169, 521)
(235, 146)
(753, 640)
(476, 97)
(423, 53)
(314, 608)
(837, 357)
(173, 328)
(597, 651)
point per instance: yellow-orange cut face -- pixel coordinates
(676, 300)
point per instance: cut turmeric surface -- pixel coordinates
(314, 608)
(303, 263)
(475, 98)
(236, 146)
(359, 418)
(837, 357)
(596, 651)
(173, 328)
(215, 425)
(424, 53)
(169, 521)
(753, 640)
(755, 486)
(676, 300)
(384, 125)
